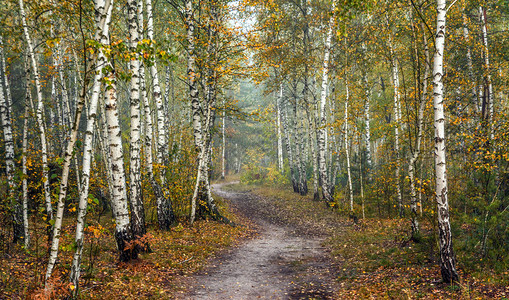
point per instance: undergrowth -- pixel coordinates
(375, 258)
(159, 274)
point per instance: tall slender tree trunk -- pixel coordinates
(104, 10)
(135, 196)
(347, 151)
(487, 70)
(10, 166)
(299, 168)
(447, 258)
(196, 109)
(39, 114)
(7, 85)
(278, 124)
(367, 121)
(313, 149)
(223, 143)
(420, 128)
(119, 202)
(287, 137)
(321, 138)
(28, 100)
(397, 120)
(165, 215)
(162, 145)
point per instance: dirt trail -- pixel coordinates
(279, 263)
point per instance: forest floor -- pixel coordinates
(285, 246)
(304, 250)
(281, 262)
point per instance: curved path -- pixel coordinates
(278, 263)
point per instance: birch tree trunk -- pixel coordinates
(162, 147)
(223, 143)
(287, 137)
(203, 116)
(490, 96)
(447, 258)
(10, 165)
(397, 118)
(299, 169)
(39, 114)
(196, 109)
(135, 197)
(7, 85)
(347, 151)
(278, 124)
(119, 202)
(313, 148)
(324, 180)
(87, 158)
(165, 215)
(28, 100)
(103, 9)
(415, 155)
(367, 121)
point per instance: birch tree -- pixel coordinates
(397, 120)
(447, 258)
(104, 11)
(135, 197)
(165, 215)
(279, 97)
(321, 133)
(119, 202)
(39, 113)
(420, 128)
(10, 165)
(488, 108)
(162, 148)
(347, 150)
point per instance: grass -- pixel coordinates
(375, 258)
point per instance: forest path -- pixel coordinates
(280, 262)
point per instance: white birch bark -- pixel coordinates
(24, 170)
(165, 215)
(447, 258)
(223, 142)
(287, 137)
(10, 165)
(119, 202)
(7, 85)
(490, 96)
(397, 118)
(313, 149)
(299, 169)
(196, 109)
(278, 124)
(420, 126)
(321, 138)
(39, 113)
(103, 10)
(64, 117)
(104, 147)
(367, 121)
(28, 104)
(162, 147)
(347, 151)
(135, 196)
